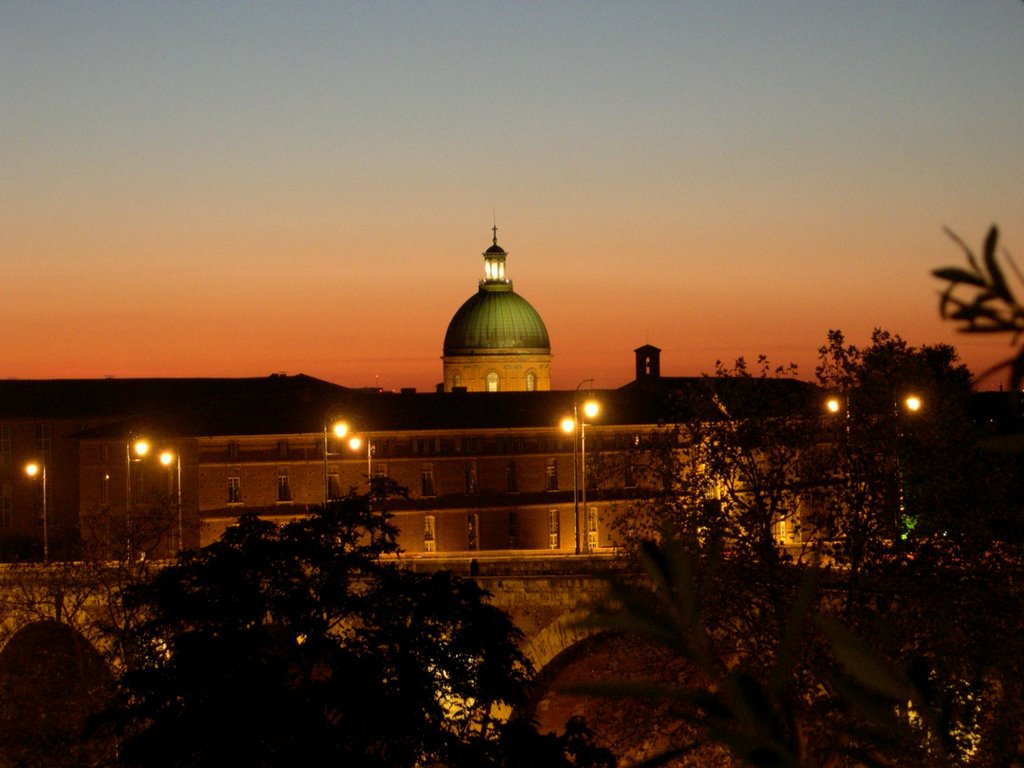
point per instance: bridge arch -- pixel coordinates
(52, 680)
(556, 638)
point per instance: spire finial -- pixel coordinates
(495, 230)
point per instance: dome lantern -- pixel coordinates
(494, 263)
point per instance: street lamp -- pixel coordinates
(910, 404)
(590, 410)
(913, 404)
(32, 470)
(339, 429)
(167, 458)
(578, 428)
(140, 448)
(355, 443)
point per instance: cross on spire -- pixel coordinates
(495, 230)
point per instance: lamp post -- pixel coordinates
(910, 404)
(140, 448)
(355, 443)
(166, 458)
(590, 410)
(32, 470)
(339, 429)
(579, 437)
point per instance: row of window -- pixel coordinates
(473, 530)
(438, 446)
(427, 486)
(555, 442)
(492, 381)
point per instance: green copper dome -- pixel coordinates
(494, 320)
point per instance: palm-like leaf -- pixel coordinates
(991, 306)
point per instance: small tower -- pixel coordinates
(648, 362)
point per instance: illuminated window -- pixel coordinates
(592, 540)
(235, 489)
(284, 490)
(232, 450)
(491, 381)
(554, 529)
(473, 531)
(552, 475)
(470, 477)
(456, 379)
(531, 381)
(429, 533)
(104, 488)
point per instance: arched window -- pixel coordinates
(456, 380)
(491, 381)
(531, 381)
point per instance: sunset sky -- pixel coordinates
(237, 189)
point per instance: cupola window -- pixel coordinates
(492, 380)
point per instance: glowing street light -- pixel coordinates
(140, 447)
(578, 428)
(355, 443)
(910, 404)
(33, 469)
(168, 457)
(339, 429)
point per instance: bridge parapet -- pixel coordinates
(546, 595)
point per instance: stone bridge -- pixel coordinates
(545, 594)
(55, 662)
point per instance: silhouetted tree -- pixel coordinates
(308, 644)
(918, 480)
(931, 600)
(900, 707)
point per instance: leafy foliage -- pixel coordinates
(830, 696)
(306, 645)
(908, 653)
(991, 306)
